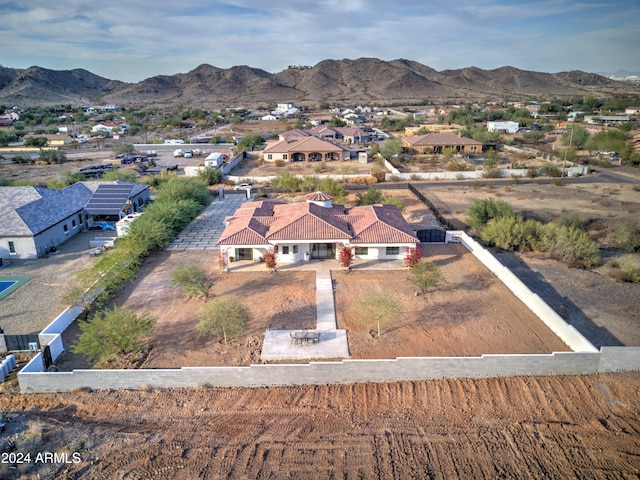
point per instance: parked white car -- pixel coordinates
(243, 186)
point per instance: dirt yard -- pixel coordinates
(538, 427)
(606, 311)
(472, 314)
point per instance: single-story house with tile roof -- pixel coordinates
(314, 230)
(436, 143)
(36, 219)
(304, 148)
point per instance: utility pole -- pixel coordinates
(569, 147)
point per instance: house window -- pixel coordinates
(393, 250)
(285, 250)
(73, 223)
(362, 250)
(295, 249)
(140, 201)
(12, 248)
(66, 229)
(285, 156)
(269, 156)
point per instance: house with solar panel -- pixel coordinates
(315, 229)
(36, 220)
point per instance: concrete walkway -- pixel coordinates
(325, 306)
(205, 230)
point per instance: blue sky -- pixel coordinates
(137, 39)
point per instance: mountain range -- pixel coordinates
(364, 80)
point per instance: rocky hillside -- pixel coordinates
(41, 86)
(345, 81)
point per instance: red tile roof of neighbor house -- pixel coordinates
(258, 223)
(440, 139)
(302, 145)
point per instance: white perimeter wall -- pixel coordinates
(585, 359)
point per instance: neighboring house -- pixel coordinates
(285, 110)
(632, 111)
(345, 134)
(433, 128)
(508, 127)
(53, 140)
(606, 119)
(36, 219)
(300, 149)
(315, 229)
(269, 117)
(6, 122)
(109, 126)
(437, 142)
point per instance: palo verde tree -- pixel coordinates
(223, 316)
(112, 332)
(193, 279)
(380, 307)
(426, 276)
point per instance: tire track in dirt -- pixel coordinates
(538, 427)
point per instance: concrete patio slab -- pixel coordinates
(277, 346)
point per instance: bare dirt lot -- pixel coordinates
(606, 311)
(538, 427)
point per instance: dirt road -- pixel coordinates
(541, 427)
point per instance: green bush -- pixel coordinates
(223, 316)
(570, 245)
(512, 233)
(630, 268)
(112, 332)
(627, 235)
(193, 279)
(485, 210)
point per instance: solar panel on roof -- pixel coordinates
(108, 199)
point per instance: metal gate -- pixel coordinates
(21, 342)
(432, 235)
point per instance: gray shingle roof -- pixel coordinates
(30, 210)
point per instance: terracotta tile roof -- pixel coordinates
(318, 197)
(439, 139)
(302, 145)
(258, 223)
(308, 221)
(380, 224)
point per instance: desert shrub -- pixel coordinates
(485, 210)
(414, 177)
(279, 163)
(371, 197)
(456, 166)
(570, 220)
(51, 156)
(532, 172)
(23, 159)
(193, 279)
(393, 200)
(112, 332)
(426, 276)
(223, 316)
(512, 232)
(627, 235)
(630, 268)
(334, 188)
(287, 182)
(570, 245)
